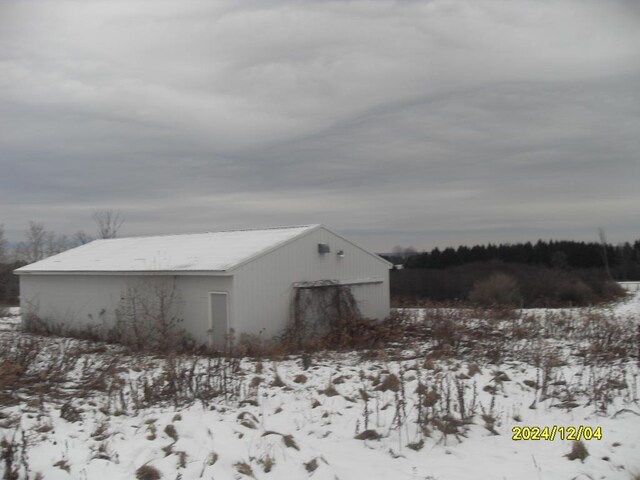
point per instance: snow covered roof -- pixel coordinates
(213, 251)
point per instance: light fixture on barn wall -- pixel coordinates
(340, 253)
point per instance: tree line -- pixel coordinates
(623, 260)
(39, 243)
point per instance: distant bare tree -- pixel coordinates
(39, 243)
(108, 222)
(80, 238)
(34, 246)
(3, 245)
(403, 252)
(605, 258)
(57, 244)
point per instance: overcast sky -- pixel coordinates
(424, 123)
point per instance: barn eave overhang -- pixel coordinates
(337, 283)
(217, 273)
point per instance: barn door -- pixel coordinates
(218, 318)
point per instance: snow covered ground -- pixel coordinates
(426, 409)
(9, 318)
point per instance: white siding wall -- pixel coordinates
(195, 295)
(263, 288)
(78, 300)
(74, 301)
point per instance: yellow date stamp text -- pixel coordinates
(581, 432)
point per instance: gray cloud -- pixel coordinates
(424, 123)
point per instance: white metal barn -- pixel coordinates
(243, 280)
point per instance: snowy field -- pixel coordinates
(9, 318)
(428, 407)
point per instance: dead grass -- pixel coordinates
(497, 289)
(267, 463)
(444, 353)
(9, 373)
(170, 431)
(37, 367)
(390, 382)
(212, 459)
(311, 465)
(300, 378)
(578, 452)
(148, 472)
(244, 468)
(368, 435)
(330, 391)
(290, 442)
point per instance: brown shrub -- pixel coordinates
(290, 442)
(390, 382)
(300, 378)
(267, 463)
(368, 435)
(578, 451)
(147, 472)
(359, 333)
(311, 465)
(70, 413)
(171, 432)
(9, 373)
(244, 468)
(350, 333)
(330, 391)
(498, 289)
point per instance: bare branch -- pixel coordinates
(40, 243)
(3, 244)
(108, 222)
(81, 237)
(605, 258)
(33, 247)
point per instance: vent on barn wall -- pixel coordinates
(323, 248)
